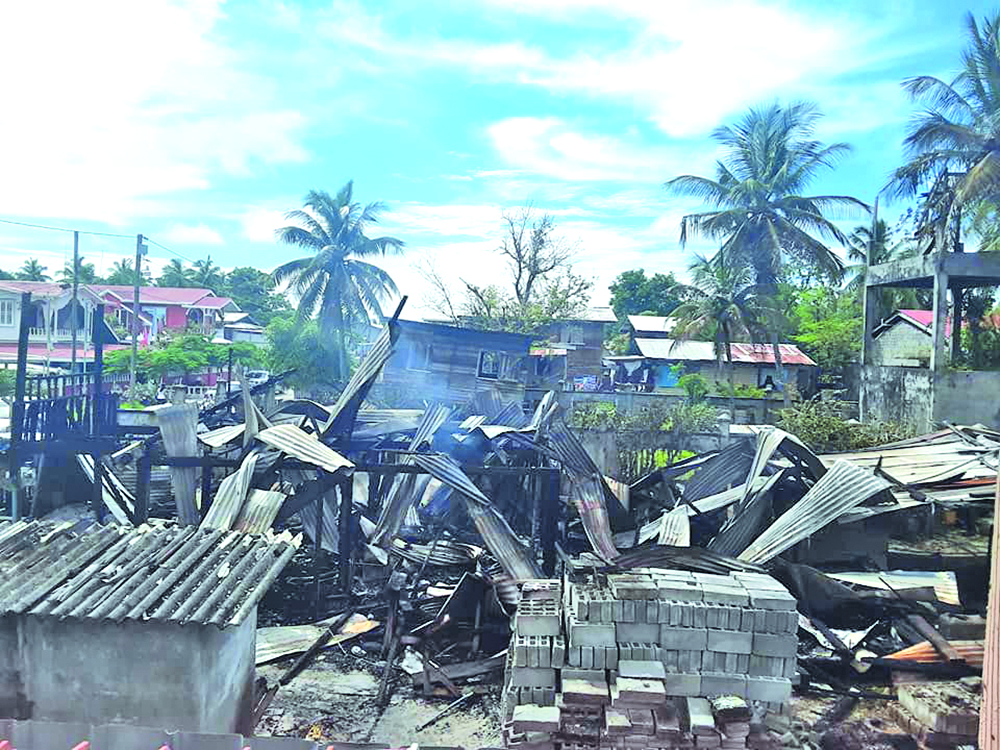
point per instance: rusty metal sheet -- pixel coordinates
(588, 499)
(259, 511)
(840, 489)
(179, 428)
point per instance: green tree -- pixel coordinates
(722, 303)
(183, 353)
(7, 276)
(254, 291)
(758, 210)
(295, 344)
(205, 274)
(88, 273)
(123, 274)
(635, 293)
(32, 270)
(958, 129)
(830, 326)
(175, 275)
(333, 282)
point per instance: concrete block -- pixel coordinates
(542, 588)
(52, 734)
(759, 620)
(692, 639)
(574, 656)
(587, 657)
(772, 599)
(628, 611)
(715, 683)
(585, 692)
(607, 610)
(730, 641)
(611, 657)
(731, 595)
(962, 627)
(679, 590)
(742, 663)
(125, 737)
(616, 722)
(616, 609)
(535, 718)
(773, 690)
(682, 684)
(591, 675)
(520, 651)
(538, 617)
(637, 632)
(735, 618)
(643, 670)
(768, 644)
(789, 668)
(599, 657)
(590, 633)
(640, 691)
(532, 677)
(747, 619)
(699, 719)
(624, 651)
(200, 740)
(558, 652)
(652, 610)
(689, 661)
(766, 666)
(699, 615)
(712, 661)
(669, 658)
(663, 612)
(788, 623)
(642, 721)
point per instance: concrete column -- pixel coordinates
(939, 350)
(956, 323)
(871, 318)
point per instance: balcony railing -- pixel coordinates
(59, 334)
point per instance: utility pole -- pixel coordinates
(76, 298)
(140, 250)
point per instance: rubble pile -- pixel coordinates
(626, 660)
(940, 714)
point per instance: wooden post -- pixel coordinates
(206, 487)
(143, 476)
(318, 555)
(76, 298)
(989, 713)
(345, 546)
(98, 415)
(17, 410)
(550, 521)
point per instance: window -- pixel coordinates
(419, 356)
(6, 312)
(489, 365)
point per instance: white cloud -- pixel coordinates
(127, 103)
(259, 224)
(192, 234)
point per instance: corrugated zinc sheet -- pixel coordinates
(232, 493)
(259, 511)
(500, 539)
(112, 489)
(345, 411)
(839, 490)
(748, 521)
(220, 436)
(179, 427)
(675, 528)
(944, 582)
(589, 501)
(162, 572)
(304, 446)
(726, 470)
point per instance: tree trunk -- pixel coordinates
(338, 323)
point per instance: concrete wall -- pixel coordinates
(748, 410)
(968, 398)
(903, 345)
(194, 678)
(896, 394)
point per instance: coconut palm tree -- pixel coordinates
(333, 281)
(174, 274)
(32, 270)
(758, 210)
(721, 301)
(204, 273)
(957, 136)
(122, 274)
(88, 273)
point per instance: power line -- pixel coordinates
(172, 252)
(63, 229)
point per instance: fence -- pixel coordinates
(628, 455)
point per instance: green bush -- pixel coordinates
(741, 390)
(694, 385)
(821, 426)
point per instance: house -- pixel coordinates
(651, 364)
(52, 320)
(904, 339)
(652, 326)
(447, 364)
(239, 326)
(573, 354)
(151, 626)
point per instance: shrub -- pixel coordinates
(821, 426)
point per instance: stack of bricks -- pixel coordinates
(638, 652)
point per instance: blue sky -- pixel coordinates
(200, 123)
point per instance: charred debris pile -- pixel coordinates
(423, 525)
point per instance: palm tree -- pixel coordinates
(333, 281)
(32, 270)
(721, 300)
(758, 211)
(204, 273)
(956, 139)
(87, 275)
(174, 274)
(122, 274)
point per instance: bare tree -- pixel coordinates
(532, 249)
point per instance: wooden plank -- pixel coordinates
(938, 641)
(989, 713)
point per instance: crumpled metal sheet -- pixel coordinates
(500, 539)
(675, 528)
(112, 489)
(259, 511)
(588, 498)
(840, 489)
(769, 441)
(304, 446)
(729, 468)
(179, 428)
(748, 521)
(512, 415)
(232, 493)
(345, 411)
(222, 435)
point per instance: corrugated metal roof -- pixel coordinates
(588, 498)
(229, 498)
(726, 470)
(704, 351)
(675, 528)
(840, 489)
(162, 572)
(220, 436)
(259, 511)
(652, 323)
(304, 446)
(178, 426)
(944, 582)
(112, 489)
(438, 552)
(748, 520)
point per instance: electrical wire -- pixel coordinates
(64, 229)
(172, 252)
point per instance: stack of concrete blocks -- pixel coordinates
(538, 649)
(715, 635)
(940, 714)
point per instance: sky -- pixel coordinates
(199, 123)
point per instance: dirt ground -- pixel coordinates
(334, 700)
